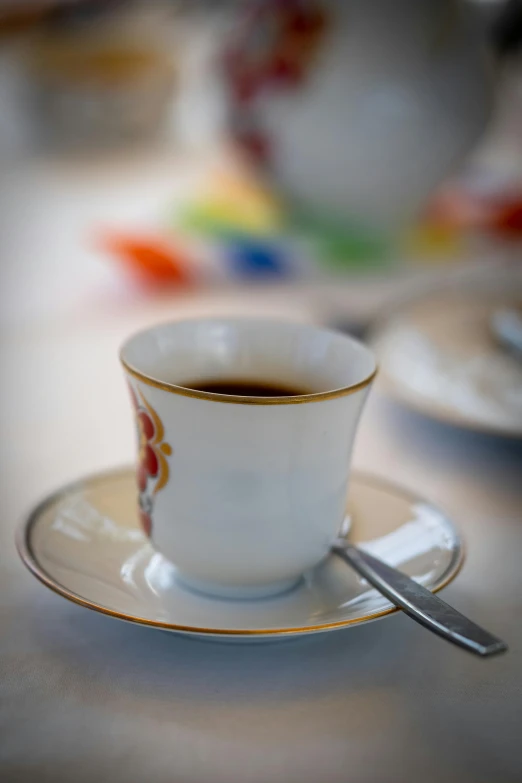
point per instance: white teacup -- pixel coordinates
(244, 494)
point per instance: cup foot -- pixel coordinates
(239, 592)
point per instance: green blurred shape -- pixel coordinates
(217, 221)
(340, 245)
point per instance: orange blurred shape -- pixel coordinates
(152, 260)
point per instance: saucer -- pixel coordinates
(85, 543)
(439, 355)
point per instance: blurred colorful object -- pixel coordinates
(153, 260)
(494, 209)
(232, 227)
(250, 258)
(336, 244)
(232, 205)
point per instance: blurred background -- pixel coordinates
(304, 158)
(355, 163)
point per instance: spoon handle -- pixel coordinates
(419, 603)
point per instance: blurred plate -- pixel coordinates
(439, 355)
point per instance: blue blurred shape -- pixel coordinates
(251, 258)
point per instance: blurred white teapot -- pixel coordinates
(358, 108)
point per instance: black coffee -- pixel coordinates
(246, 388)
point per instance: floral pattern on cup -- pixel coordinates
(152, 471)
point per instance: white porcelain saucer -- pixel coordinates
(84, 542)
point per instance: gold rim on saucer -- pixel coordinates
(25, 550)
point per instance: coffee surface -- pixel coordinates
(246, 388)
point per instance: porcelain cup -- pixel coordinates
(244, 494)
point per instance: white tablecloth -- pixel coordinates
(85, 698)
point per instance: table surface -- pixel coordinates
(83, 697)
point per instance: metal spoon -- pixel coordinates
(419, 603)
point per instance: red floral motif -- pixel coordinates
(277, 45)
(274, 49)
(152, 469)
